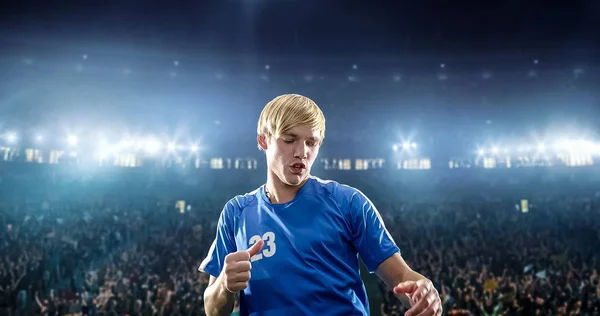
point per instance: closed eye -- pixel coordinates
(310, 143)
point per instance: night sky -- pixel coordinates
(332, 28)
(410, 66)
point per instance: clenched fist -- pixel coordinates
(236, 272)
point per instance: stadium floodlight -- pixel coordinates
(495, 150)
(409, 145)
(194, 148)
(577, 146)
(72, 140)
(101, 154)
(562, 145)
(105, 149)
(11, 138)
(171, 146)
(152, 146)
(541, 147)
(481, 152)
(39, 138)
(127, 144)
(395, 147)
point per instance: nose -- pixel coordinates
(300, 151)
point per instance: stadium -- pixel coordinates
(123, 135)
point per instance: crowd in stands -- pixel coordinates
(492, 259)
(120, 244)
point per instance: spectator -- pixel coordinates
(81, 247)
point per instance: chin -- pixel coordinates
(295, 180)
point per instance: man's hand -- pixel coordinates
(424, 295)
(236, 272)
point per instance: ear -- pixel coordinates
(261, 139)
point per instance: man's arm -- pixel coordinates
(381, 255)
(219, 297)
(217, 300)
(393, 271)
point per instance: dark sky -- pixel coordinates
(117, 35)
(287, 27)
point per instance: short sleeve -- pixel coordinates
(369, 235)
(223, 244)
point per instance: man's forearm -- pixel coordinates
(217, 300)
(412, 275)
(394, 271)
(409, 275)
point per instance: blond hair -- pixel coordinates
(288, 111)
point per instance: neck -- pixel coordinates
(279, 192)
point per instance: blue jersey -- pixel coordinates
(309, 262)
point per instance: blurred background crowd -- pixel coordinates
(125, 126)
(122, 243)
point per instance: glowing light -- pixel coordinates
(11, 138)
(409, 145)
(126, 144)
(541, 147)
(152, 146)
(72, 140)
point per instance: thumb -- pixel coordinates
(407, 287)
(256, 247)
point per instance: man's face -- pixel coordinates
(291, 156)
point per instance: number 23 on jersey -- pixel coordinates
(268, 249)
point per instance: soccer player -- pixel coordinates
(291, 247)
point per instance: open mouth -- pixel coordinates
(297, 168)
